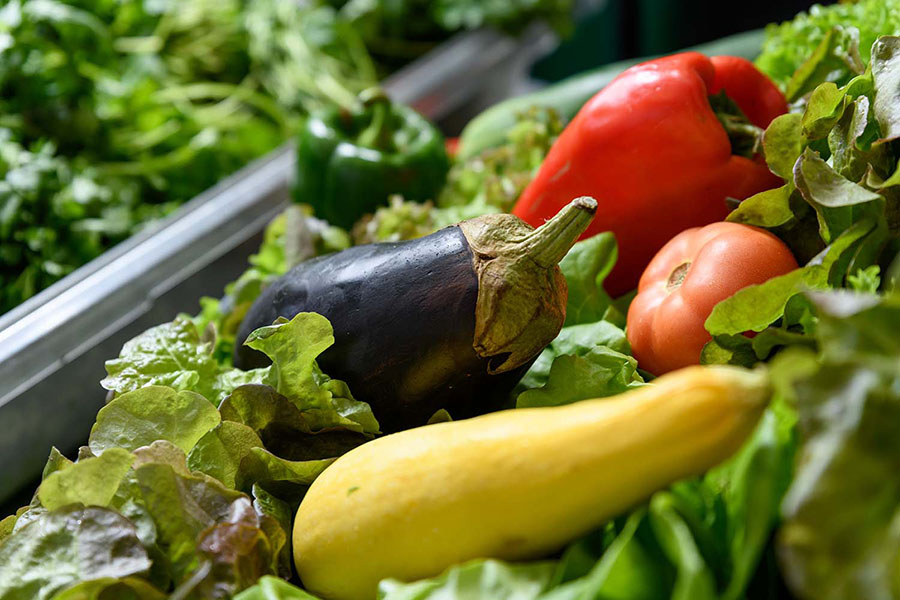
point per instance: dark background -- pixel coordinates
(611, 30)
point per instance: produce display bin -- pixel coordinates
(52, 347)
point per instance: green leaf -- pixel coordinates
(585, 267)
(850, 142)
(66, 546)
(55, 462)
(866, 280)
(753, 483)
(728, 350)
(92, 482)
(229, 379)
(293, 347)
(846, 469)
(221, 451)
(128, 588)
(886, 74)
(7, 524)
(286, 479)
(694, 579)
(820, 185)
(260, 406)
(273, 588)
(743, 351)
(840, 254)
(838, 539)
(476, 579)
(830, 194)
(783, 142)
(858, 324)
(143, 416)
(838, 52)
(774, 337)
(874, 181)
(632, 566)
(578, 340)
(237, 550)
(284, 428)
(281, 513)
(770, 208)
(599, 373)
(756, 307)
(442, 415)
(824, 109)
(171, 354)
(182, 505)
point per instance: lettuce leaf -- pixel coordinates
(837, 165)
(60, 548)
(92, 482)
(153, 413)
(293, 347)
(175, 355)
(840, 539)
(585, 267)
(272, 588)
(171, 354)
(477, 579)
(130, 588)
(839, 209)
(788, 45)
(598, 373)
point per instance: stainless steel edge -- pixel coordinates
(84, 310)
(52, 348)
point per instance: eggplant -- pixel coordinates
(448, 321)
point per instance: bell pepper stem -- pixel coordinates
(745, 137)
(378, 134)
(549, 243)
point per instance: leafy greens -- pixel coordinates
(114, 113)
(195, 480)
(839, 209)
(787, 45)
(839, 538)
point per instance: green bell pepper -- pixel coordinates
(349, 161)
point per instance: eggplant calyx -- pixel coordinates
(521, 304)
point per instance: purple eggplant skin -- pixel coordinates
(448, 321)
(404, 321)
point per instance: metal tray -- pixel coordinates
(52, 347)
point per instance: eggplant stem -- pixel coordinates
(549, 243)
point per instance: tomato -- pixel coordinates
(692, 273)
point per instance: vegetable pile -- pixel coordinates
(672, 112)
(113, 113)
(239, 448)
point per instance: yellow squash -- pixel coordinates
(515, 484)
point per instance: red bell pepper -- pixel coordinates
(652, 150)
